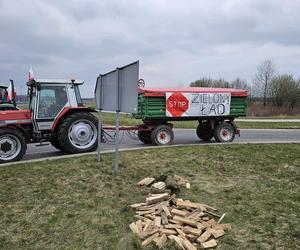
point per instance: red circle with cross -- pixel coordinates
(177, 104)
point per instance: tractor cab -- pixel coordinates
(7, 96)
(48, 99)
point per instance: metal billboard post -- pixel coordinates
(99, 135)
(117, 154)
(99, 123)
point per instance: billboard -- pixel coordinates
(117, 90)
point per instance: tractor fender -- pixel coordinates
(19, 128)
(67, 111)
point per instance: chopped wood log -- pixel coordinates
(135, 230)
(157, 198)
(185, 221)
(148, 240)
(146, 181)
(194, 231)
(157, 221)
(209, 244)
(161, 241)
(164, 219)
(174, 221)
(177, 240)
(172, 226)
(150, 211)
(203, 225)
(191, 237)
(217, 233)
(224, 227)
(149, 216)
(212, 222)
(205, 236)
(190, 204)
(167, 211)
(159, 185)
(148, 225)
(179, 212)
(139, 226)
(153, 231)
(180, 232)
(168, 231)
(188, 245)
(222, 217)
(137, 205)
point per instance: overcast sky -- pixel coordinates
(176, 41)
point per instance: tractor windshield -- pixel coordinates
(51, 101)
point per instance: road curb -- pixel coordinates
(142, 148)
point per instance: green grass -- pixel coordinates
(77, 203)
(127, 120)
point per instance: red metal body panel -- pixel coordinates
(66, 110)
(162, 91)
(15, 115)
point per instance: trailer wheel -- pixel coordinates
(204, 132)
(78, 133)
(224, 132)
(12, 145)
(162, 135)
(145, 136)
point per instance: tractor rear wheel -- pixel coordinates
(204, 132)
(145, 136)
(224, 132)
(12, 145)
(162, 135)
(78, 133)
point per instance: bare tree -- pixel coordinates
(284, 91)
(265, 74)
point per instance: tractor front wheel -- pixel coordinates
(12, 145)
(162, 135)
(78, 133)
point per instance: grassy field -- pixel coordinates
(77, 203)
(109, 118)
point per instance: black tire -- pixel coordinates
(224, 132)
(162, 135)
(55, 142)
(69, 135)
(8, 139)
(145, 137)
(204, 132)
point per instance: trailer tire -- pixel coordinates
(145, 137)
(162, 135)
(204, 132)
(78, 133)
(12, 145)
(224, 132)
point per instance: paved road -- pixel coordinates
(182, 136)
(267, 120)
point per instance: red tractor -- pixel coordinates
(55, 114)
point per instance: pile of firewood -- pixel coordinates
(188, 224)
